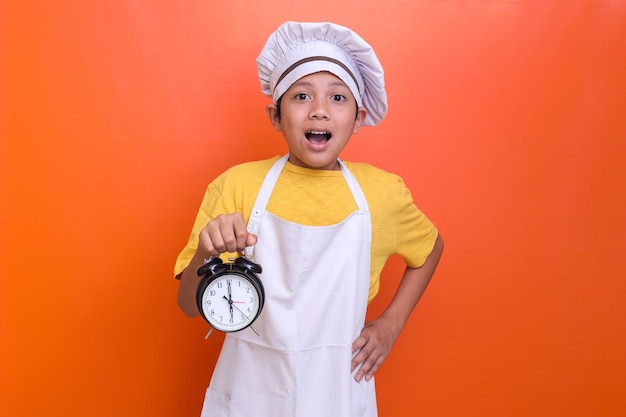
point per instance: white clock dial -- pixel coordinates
(230, 302)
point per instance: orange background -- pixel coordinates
(506, 120)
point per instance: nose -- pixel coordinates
(319, 110)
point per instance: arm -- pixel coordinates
(225, 233)
(378, 336)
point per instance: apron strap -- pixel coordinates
(355, 188)
(268, 186)
(261, 200)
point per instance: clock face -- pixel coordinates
(230, 302)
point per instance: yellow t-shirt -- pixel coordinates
(318, 198)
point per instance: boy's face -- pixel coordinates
(317, 120)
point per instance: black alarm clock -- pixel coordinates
(230, 295)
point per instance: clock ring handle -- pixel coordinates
(247, 264)
(209, 267)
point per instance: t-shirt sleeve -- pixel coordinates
(416, 234)
(212, 205)
(234, 191)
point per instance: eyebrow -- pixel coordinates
(301, 83)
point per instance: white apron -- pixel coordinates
(316, 281)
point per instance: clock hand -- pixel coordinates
(230, 300)
(230, 305)
(243, 314)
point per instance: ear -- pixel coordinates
(360, 118)
(272, 114)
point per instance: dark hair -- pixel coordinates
(278, 107)
(281, 98)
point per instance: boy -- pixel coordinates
(321, 229)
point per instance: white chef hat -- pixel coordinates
(296, 49)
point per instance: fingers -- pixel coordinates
(368, 360)
(370, 350)
(251, 239)
(226, 233)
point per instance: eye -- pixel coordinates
(338, 97)
(301, 96)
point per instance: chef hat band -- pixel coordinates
(317, 58)
(296, 50)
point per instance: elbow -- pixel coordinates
(190, 309)
(186, 296)
(187, 305)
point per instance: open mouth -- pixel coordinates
(315, 136)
